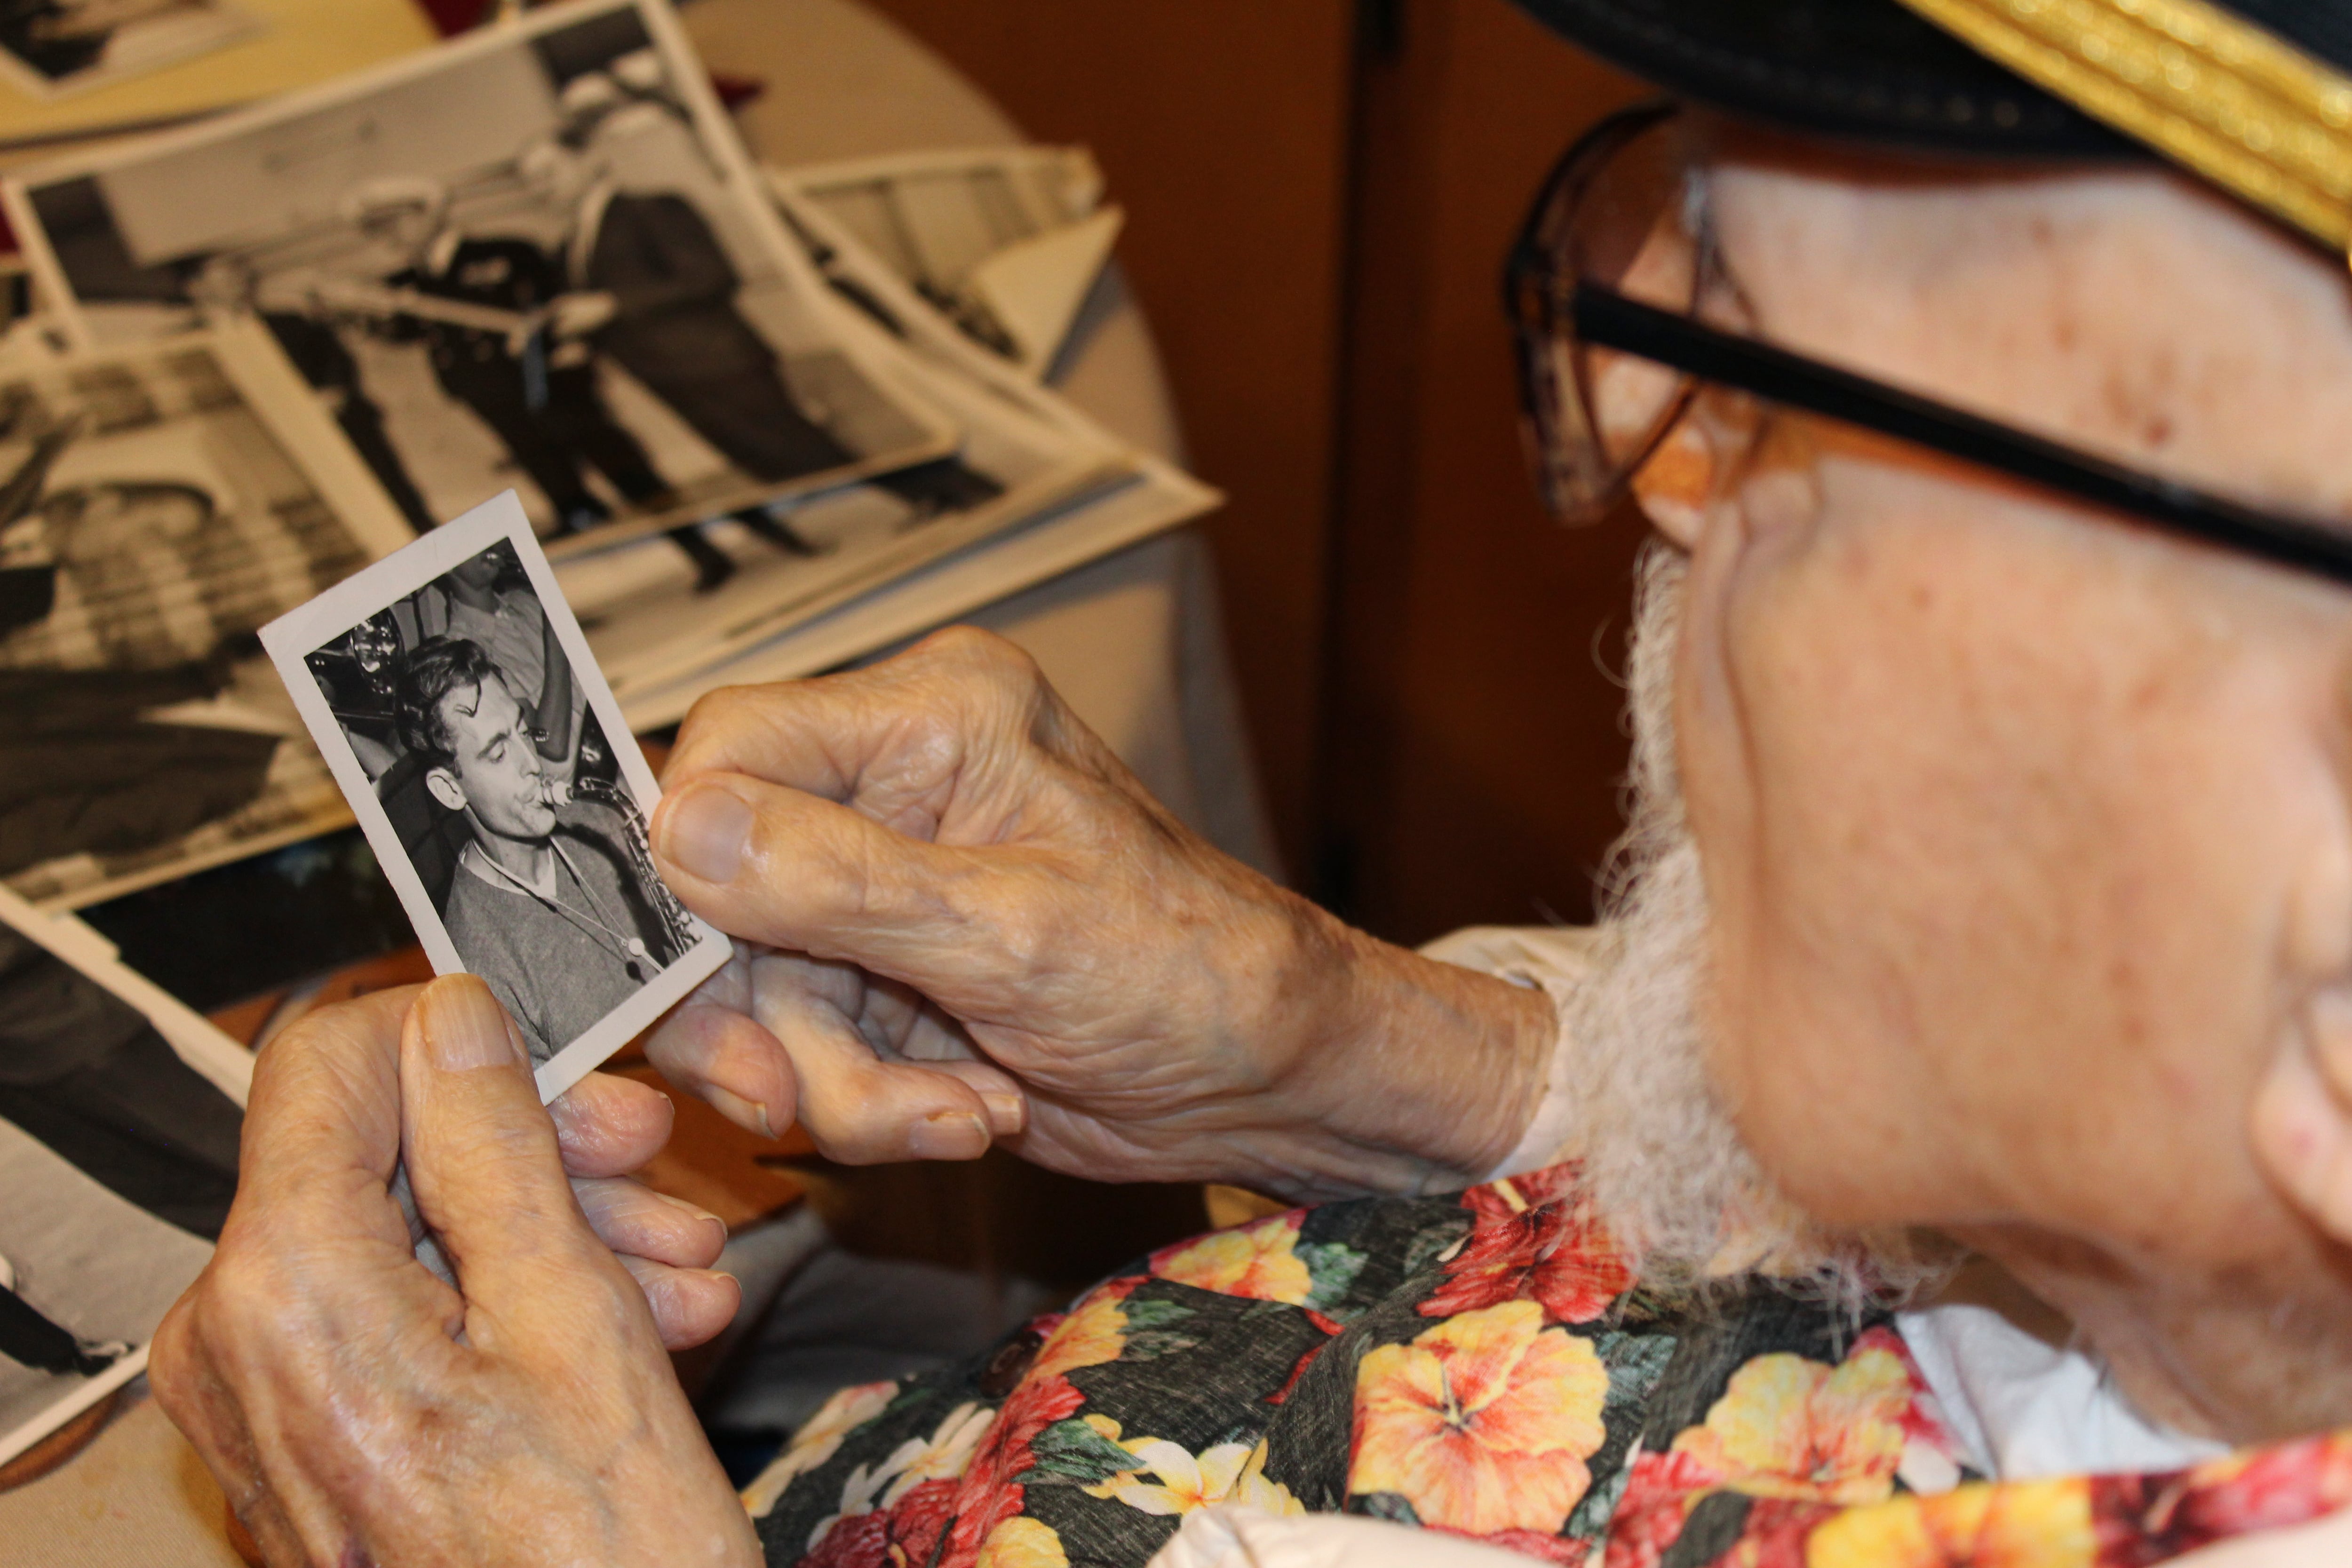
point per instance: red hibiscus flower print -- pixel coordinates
(1533, 1239)
(989, 1493)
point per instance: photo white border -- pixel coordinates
(192, 1036)
(303, 631)
(85, 1395)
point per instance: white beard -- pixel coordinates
(1666, 1165)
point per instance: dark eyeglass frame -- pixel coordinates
(1542, 312)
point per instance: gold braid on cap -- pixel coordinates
(2233, 102)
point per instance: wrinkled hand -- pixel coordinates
(976, 924)
(355, 1407)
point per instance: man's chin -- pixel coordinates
(532, 824)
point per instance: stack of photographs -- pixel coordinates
(159, 504)
(119, 1124)
(1006, 242)
(276, 344)
(535, 257)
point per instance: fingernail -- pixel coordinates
(750, 1115)
(1007, 1113)
(705, 833)
(698, 1212)
(950, 1135)
(465, 1026)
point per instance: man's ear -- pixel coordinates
(2301, 1118)
(2302, 1127)
(445, 788)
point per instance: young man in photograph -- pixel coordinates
(510, 624)
(656, 291)
(545, 905)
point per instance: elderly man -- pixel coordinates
(1941, 1157)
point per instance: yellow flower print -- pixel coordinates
(1094, 1333)
(1254, 1490)
(1022, 1543)
(1483, 1423)
(941, 1456)
(1789, 1428)
(817, 1440)
(2026, 1524)
(1259, 1261)
(1228, 1472)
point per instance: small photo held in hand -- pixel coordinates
(457, 703)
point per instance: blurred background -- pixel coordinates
(1319, 194)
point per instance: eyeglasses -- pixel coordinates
(1611, 289)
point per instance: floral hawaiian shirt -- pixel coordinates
(1485, 1366)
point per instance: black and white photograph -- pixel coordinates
(1005, 242)
(158, 505)
(51, 47)
(534, 258)
(457, 703)
(118, 1133)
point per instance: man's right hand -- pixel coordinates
(355, 1407)
(973, 923)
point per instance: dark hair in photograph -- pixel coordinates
(432, 669)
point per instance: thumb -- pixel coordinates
(481, 1154)
(799, 872)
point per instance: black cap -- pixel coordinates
(1874, 70)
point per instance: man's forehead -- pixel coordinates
(480, 709)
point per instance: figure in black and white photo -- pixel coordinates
(546, 271)
(549, 903)
(466, 716)
(151, 520)
(224, 285)
(654, 290)
(651, 287)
